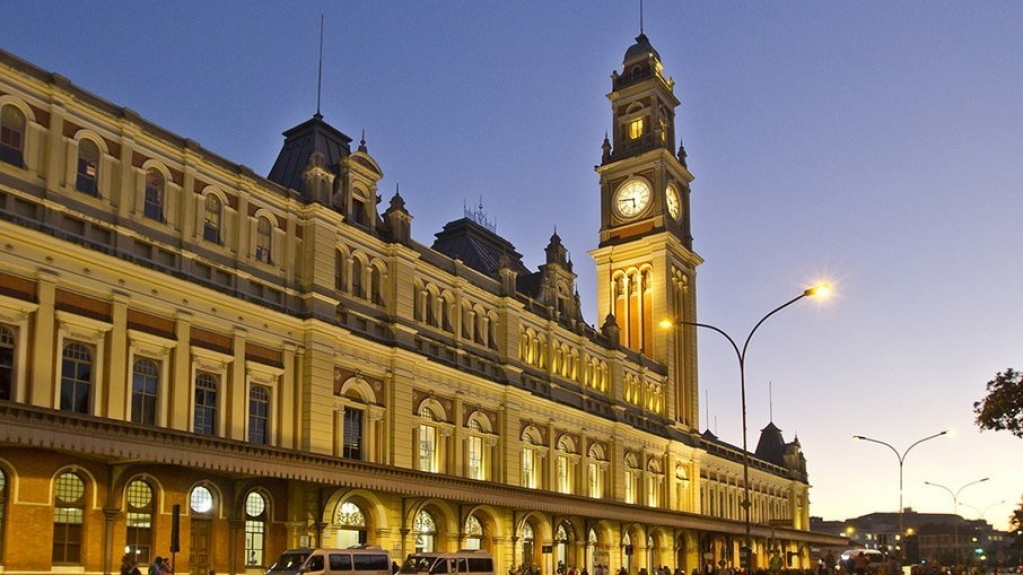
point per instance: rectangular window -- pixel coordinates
(529, 469)
(145, 381)
(352, 448)
(76, 378)
(67, 535)
(474, 457)
(630, 487)
(259, 415)
(564, 483)
(6, 362)
(206, 386)
(428, 448)
(254, 542)
(635, 129)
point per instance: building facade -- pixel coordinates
(207, 364)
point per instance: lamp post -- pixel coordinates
(955, 510)
(902, 460)
(740, 354)
(982, 513)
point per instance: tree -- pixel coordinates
(1002, 409)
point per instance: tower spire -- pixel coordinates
(641, 16)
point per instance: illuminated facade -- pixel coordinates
(274, 362)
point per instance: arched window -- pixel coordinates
(473, 533)
(531, 458)
(340, 271)
(211, 219)
(145, 381)
(352, 522)
(631, 478)
(206, 387)
(376, 283)
(76, 378)
(259, 415)
(357, 285)
(474, 450)
(6, 363)
(595, 475)
(140, 521)
(156, 186)
(564, 466)
(88, 167)
(428, 453)
(264, 239)
(12, 136)
(200, 501)
(528, 540)
(426, 529)
(68, 515)
(255, 529)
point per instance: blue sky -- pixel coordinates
(873, 143)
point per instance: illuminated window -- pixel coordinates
(68, 515)
(635, 128)
(428, 457)
(206, 386)
(155, 190)
(145, 379)
(140, 521)
(76, 378)
(595, 476)
(6, 362)
(201, 500)
(12, 136)
(259, 415)
(631, 478)
(352, 521)
(255, 529)
(88, 167)
(211, 219)
(564, 467)
(475, 457)
(473, 534)
(426, 527)
(531, 459)
(264, 237)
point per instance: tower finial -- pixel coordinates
(319, 72)
(640, 16)
(770, 400)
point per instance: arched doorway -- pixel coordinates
(351, 525)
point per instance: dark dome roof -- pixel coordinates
(640, 49)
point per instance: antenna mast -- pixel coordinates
(319, 72)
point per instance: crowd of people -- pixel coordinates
(159, 566)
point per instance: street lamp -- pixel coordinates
(902, 459)
(982, 513)
(955, 510)
(821, 290)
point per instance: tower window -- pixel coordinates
(12, 136)
(88, 167)
(635, 128)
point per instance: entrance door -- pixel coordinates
(200, 550)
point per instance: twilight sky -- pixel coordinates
(877, 144)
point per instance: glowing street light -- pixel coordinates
(820, 290)
(955, 509)
(902, 460)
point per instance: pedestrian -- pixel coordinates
(155, 567)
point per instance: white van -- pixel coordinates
(460, 563)
(355, 561)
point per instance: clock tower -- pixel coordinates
(646, 267)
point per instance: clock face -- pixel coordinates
(632, 198)
(674, 202)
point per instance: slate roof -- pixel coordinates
(300, 142)
(478, 247)
(771, 447)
